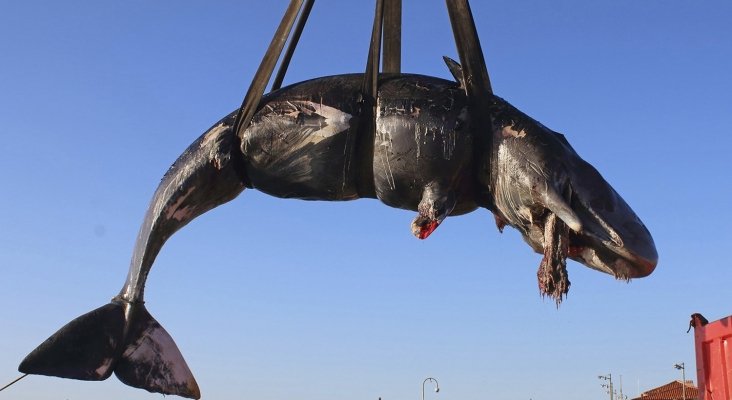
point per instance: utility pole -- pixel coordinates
(609, 385)
(683, 378)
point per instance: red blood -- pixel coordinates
(575, 251)
(500, 223)
(426, 229)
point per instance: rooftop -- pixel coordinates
(671, 391)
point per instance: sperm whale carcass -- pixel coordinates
(427, 154)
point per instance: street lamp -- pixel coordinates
(683, 378)
(437, 385)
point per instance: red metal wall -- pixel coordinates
(714, 359)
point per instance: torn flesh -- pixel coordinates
(552, 274)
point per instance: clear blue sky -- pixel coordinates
(273, 299)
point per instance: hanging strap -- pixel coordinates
(392, 62)
(475, 73)
(371, 77)
(301, 21)
(264, 72)
(364, 146)
(478, 88)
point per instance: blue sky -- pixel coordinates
(273, 299)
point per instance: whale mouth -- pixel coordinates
(562, 206)
(614, 260)
(624, 255)
(613, 239)
(593, 226)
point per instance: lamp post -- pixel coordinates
(437, 385)
(683, 378)
(609, 385)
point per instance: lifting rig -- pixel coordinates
(387, 20)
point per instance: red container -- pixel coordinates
(714, 359)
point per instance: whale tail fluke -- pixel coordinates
(151, 360)
(137, 349)
(85, 348)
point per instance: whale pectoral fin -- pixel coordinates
(151, 360)
(85, 348)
